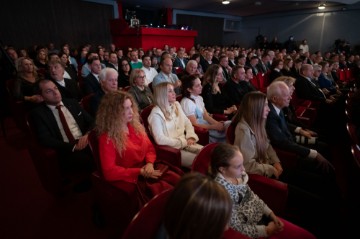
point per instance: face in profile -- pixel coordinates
(111, 82)
(196, 88)
(235, 168)
(219, 76)
(171, 94)
(266, 109)
(128, 111)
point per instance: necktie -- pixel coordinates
(283, 124)
(65, 125)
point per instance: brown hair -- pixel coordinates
(198, 207)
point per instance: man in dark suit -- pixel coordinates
(91, 81)
(69, 139)
(305, 88)
(67, 87)
(180, 61)
(280, 132)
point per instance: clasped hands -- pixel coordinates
(148, 171)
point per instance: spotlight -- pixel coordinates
(321, 6)
(225, 2)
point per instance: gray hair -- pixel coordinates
(104, 72)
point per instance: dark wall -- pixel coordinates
(210, 29)
(321, 30)
(25, 23)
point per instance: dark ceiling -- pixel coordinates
(239, 7)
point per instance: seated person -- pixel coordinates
(239, 85)
(108, 79)
(67, 87)
(166, 75)
(196, 193)
(62, 124)
(126, 152)
(169, 125)
(216, 101)
(124, 73)
(193, 105)
(141, 92)
(25, 83)
(250, 214)
(310, 180)
(91, 82)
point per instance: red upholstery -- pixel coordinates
(273, 192)
(85, 102)
(142, 227)
(166, 153)
(116, 206)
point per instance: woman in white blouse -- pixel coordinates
(169, 125)
(194, 108)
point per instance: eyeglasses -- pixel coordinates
(124, 65)
(142, 77)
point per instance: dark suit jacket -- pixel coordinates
(280, 136)
(305, 90)
(236, 91)
(177, 63)
(71, 89)
(91, 84)
(48, 131)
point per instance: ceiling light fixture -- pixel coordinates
(225, 2)
(321, 6)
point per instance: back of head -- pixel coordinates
(199, 207)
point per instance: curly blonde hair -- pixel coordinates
(110, 120)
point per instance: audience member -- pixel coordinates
(169, 125)
(180, 61)
(216, 102)
(239, 85)
(250, 214)
(166, 75)
(194, 108)
(197, 193)
(70, 71)
(113, 61)
(108, 79)
(62, 124)
(135, 62)
(67, 87)
(91, 81)
(25, 83)
(139, 90)
(149, 71)
(126, 152)
(124, 73)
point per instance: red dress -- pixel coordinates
(126, 167)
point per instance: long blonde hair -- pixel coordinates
(161, 99)
(110, 120)
(252, 110)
